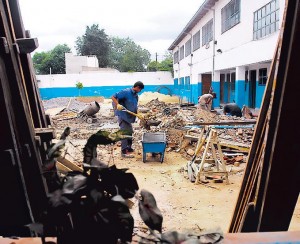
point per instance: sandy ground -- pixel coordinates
(185, 205)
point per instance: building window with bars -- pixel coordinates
(207, 32)
(187, 83)
(230, 15)
(181, 53)
(196, 41)
(263, 77)
(266, 20)
(188, 47)
(176, 58)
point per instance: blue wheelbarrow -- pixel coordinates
(155, 143)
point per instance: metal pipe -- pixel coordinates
(214, 43)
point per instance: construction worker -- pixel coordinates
(232, 109)
(127, 98)
(205, 101)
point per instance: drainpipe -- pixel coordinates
(191, 75)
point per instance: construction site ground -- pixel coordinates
(186, 206)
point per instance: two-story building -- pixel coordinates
(227, 46)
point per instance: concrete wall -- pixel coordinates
(102, 84)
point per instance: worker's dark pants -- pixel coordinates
(124, 125)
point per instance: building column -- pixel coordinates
(240, 86)
(216, 88)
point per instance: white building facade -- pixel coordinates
(227, 47)
(77, 64)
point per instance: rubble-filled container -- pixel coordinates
(154, 142)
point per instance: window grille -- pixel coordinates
(181, 53)
(266, 20)
(188, 47)
(196, 41)
(230, 15)
(176, 58)
(263, 77)
(207, 32)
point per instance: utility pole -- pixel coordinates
(156, 60)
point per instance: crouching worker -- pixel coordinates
(205, 101)
(232, 109)
(127, 98)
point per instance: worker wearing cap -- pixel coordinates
(127, 98)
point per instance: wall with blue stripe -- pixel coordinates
(240, 94)
(185, 90)
(103, 91)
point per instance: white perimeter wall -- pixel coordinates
(105, 79)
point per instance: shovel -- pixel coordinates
(190, 165)
(132, 113)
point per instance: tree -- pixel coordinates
(39, 62)
(94, 42)
(125, 55)
(79, 86)
(52, 61)
(153, 66)
(164, 65)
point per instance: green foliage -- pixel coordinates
(79, 86)
(164, 65)
(153, 66)
(94, 42)
(52, 61)
(126, 56)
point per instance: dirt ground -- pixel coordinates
(185, 205)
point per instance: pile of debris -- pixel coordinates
(181, 125)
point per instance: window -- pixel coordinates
(188, 47)
(246, 79)
(207, 32)
(196, 41)
(176, 58)
(181, 85)
(187, 83)
(263, 77)
(232, 82)
(266, 20)
(230, 15)
(181, 53)
(176, 83)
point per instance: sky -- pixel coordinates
(153, 25)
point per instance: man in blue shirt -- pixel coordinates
(127, 98)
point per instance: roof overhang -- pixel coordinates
(204, 8)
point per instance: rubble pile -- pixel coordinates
(175, 120)
(71, 104)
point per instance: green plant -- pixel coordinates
(79, 86)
